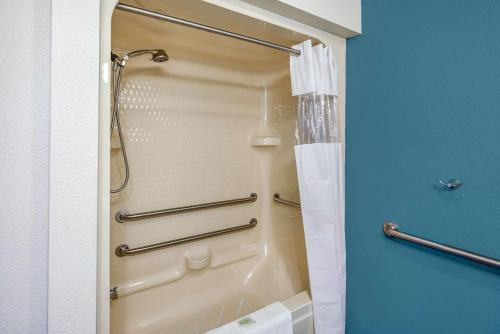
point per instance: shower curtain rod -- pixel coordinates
(176, 20)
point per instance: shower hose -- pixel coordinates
(115, 117)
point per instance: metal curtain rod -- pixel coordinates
(125, 250)
(391, 230)
(191, 24)
(277, 198)
(123, 216)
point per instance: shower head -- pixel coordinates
(160, 56)
(157, 55)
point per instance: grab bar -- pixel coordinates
(276, 198)
(125, 250)
(391, 230)
(123, 216)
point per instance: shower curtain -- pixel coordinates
(319, 158)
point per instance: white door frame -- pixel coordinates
(73, 196)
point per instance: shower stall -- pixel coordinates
(203, 218)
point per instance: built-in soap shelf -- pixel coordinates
(269, 141)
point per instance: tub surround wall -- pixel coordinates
(209, 62)
(189, 125)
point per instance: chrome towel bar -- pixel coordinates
(391, 230)
(277, 198)
(123, 216)
(125, 250)
(190, 24)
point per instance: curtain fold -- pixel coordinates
(320, 167)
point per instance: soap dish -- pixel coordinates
(265, 141)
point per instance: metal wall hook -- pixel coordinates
(451, 183)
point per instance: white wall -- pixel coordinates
(24, 164)
(341, 17)
(346, 13)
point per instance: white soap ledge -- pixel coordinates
(265, 141)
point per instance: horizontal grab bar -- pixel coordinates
(277, 198)
(123, 216)
(391, 230)
(125, 250)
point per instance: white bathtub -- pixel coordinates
(302, 313)
(299, 306)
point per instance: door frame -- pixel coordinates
(73, 196)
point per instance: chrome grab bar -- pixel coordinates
(123, 216)
(391, 230)
(125, 250)
(277, 198)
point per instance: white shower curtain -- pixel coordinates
(319, 157)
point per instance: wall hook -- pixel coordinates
(451, 183)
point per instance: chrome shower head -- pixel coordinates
(160, 56)
(157, 55)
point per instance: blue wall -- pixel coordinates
(423, 103)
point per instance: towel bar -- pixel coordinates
(123, 216)
(391, 230)
(277, 198)
(125, 250)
